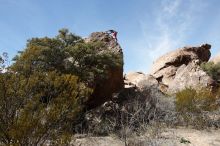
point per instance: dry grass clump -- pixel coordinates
(196, 108)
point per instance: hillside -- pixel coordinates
(66, 90)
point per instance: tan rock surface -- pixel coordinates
(140, 80)
(181, 68)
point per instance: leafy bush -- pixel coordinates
(212, 69)
(25, 117)
(66, 53)
(42, 95)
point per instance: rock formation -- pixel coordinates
(140, 80)
(181, 68)
(104, 88)
(140, 100)
(171, 73)
(146, 84)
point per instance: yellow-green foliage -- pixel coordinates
(26, 120)
(40, 97)
(195, 101)
(212, 69)
(66, 53)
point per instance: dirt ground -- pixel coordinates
(167, 137)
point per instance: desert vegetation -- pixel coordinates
(212, 69)
(44, 95)
(196, 108)
(44, 91)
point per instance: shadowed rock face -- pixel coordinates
(181, 68)
(104, 88)
(140, 101)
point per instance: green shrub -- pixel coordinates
(27, 120)
(193, 107)
(41, 98)
(195, 101)
(66, 53)
(212, 70)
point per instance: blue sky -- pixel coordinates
(147, 28)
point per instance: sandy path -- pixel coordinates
(195, 137)
(167, 137)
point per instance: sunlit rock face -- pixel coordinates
(179, 69)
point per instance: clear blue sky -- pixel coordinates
(147, 28)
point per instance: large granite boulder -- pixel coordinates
(181, 68)
(113, 83)
(140, 80)
(148, 87)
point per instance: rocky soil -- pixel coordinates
(165, 137)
